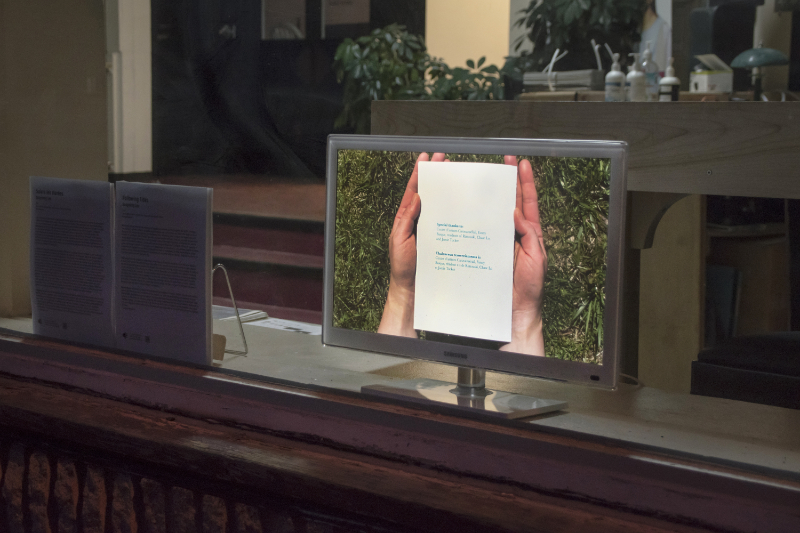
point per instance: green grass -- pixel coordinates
(369, 186)
(573, 206)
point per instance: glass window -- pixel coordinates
(241, 95)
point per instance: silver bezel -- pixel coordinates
(604, 375)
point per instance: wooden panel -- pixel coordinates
(646, 210)
(260, 196)
(600, 96)
(671, 298)
(734, 148)
(665, 471)
(52, 117)
(365, 489)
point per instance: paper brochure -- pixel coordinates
(71, 260)
(125, 266)
(163, 270)
(465, 249)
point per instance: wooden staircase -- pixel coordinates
(269, 235)
(274, 265)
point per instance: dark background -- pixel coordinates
(244, 105)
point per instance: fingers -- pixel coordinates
(527, 198)
(524, 229)
(512, 161)
(412, 187)
(530, 240)
(410, 205)
(403, 226)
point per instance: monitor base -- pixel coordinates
(472, 400)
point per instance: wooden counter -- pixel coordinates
(632, 459)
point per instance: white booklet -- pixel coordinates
(465, 249)
(163, 270)
(71, 260)
(124, 267)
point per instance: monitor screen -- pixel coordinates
(502, 254)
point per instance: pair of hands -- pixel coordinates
(530, 263)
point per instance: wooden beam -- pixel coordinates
(385, 493)
(647, 208)
(726, 148)
(671, 298)
(669, 476)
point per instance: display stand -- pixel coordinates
(235, 308)
(470, 394)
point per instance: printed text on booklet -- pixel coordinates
(465, 249)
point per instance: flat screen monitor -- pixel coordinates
(498, 254)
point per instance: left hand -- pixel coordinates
(530, 266)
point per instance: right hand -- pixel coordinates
(530, 266)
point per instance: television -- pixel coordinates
(486, 254)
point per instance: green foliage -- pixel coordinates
(388, 64)
(476, 83)
(572, 24)
(573, 204)
(369, 188)
(392, 64)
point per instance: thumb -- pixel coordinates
(527, 233)
(405, 226)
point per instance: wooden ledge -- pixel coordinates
(391, 492)
(536, 460)
(726, 148)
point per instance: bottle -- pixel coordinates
(669, 86)
(650, 69)
(636, 80)
(615, 82)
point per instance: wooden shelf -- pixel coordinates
(775, 229)
(582, 95)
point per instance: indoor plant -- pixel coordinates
(571, 25)
(392, 64)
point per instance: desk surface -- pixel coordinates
(726, 431)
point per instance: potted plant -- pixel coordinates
(392, 64)
(387, 64)
(571, 25)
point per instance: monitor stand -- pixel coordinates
(470, 394)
